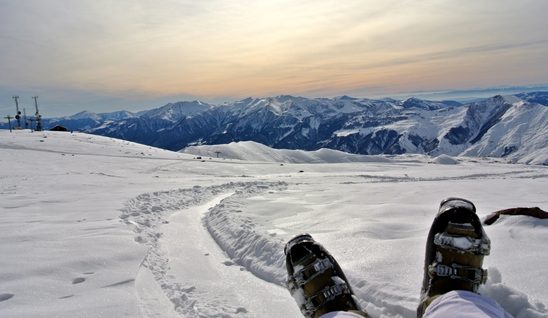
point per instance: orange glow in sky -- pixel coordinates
(215, 49)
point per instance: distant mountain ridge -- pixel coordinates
(252, 151)
(514, 127)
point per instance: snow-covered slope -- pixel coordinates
(97, 227)
(175, 111)
(87, 120)
(521, 134)
(252, 151)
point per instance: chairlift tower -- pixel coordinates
(18, 113)
(37, 115)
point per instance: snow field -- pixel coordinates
(125, 230)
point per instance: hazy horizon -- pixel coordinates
(462, 96)
(102, 55)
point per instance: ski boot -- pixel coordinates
(455, 249)
(315, 279)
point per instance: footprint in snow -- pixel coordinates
(78, 280)
(241, 310)
(188, 289)
(67, 296)
(127, 281)
(6, 296)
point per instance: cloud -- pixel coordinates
(236, 48)
(458, 52)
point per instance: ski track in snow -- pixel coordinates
(176, 222)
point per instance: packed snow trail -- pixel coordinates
(219, 287)
(185, 271)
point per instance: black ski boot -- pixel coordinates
(315, 279)
(455, 249)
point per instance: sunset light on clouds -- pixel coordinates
(109, 53)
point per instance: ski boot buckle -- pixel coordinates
(470, 274)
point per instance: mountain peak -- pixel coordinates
(505, 99)
(413, 102)
(346, 97)
(84, 115)
(176, 111)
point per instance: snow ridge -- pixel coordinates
(149, 213)
(257, 252)
(253, 151)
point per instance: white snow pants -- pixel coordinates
(462, 303)
(454, 304)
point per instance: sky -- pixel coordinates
(104, 55)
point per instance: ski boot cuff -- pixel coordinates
(455, 248)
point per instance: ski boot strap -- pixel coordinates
(308, 273)
(316, 302)
(474, 275)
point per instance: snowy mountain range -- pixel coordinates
(512, 127)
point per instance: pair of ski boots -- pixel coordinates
(455, 249)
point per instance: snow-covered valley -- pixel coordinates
(92, 226)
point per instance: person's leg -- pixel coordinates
(455, 248)
(316, 281)
(461, 303)
(341, 314)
